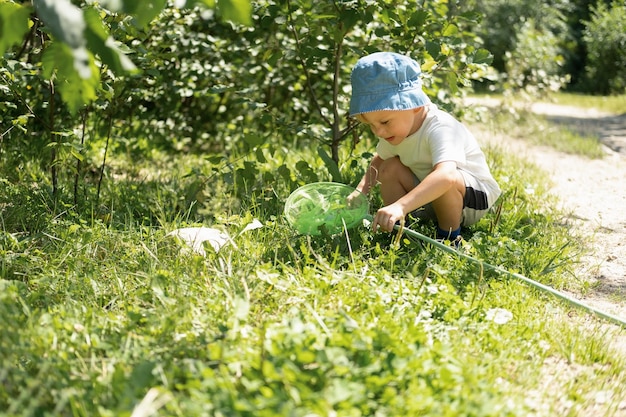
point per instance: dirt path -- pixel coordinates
(593, 195)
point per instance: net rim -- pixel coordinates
(322, 188)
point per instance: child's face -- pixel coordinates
(393, 125)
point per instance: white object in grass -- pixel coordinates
(499, 315)
(255, 224)
(195, 237)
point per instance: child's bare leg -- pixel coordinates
(449, 207)
(396, 180)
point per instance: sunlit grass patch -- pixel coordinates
(538, 130)
(611, 104)
(102, 316)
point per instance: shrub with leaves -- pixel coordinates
(605, 38)
(529, 40)
(535, 65)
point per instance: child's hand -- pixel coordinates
(353, 198)
(387, 217)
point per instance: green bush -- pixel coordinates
(605, 38)
(535, 64)
(529, 40)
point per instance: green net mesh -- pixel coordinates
(324, 205)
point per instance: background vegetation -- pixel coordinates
(121, 121)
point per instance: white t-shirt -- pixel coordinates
(442, 138)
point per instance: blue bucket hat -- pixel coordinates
(386, 81)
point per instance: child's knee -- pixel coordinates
(449, 205)
(390, 170)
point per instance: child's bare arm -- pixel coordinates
(368, 180)
(440, 181)
(371, 175)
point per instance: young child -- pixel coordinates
(425, 158)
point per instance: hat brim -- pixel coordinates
(399, 100)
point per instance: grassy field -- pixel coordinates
(513, 118)
(609, 104)
(104, 314)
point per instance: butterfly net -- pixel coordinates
(320, 206)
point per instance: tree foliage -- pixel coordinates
(529, 39)
(82, 79)
(542, 45)
(77, 38)
(535, 64)
(146, 74)
(61, 59)
(605, 38)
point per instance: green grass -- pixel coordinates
(103, 314)
(537, 130)
(517, 121)
(610, 104)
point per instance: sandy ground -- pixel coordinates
(593, 195)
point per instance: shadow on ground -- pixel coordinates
(610, 130)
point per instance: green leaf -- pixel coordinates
(101, 43)
(76, 91)
(331, 165)
(433, 49)
(64, 20)
(349, 18)
(254, 140)
(472, 16)
(260, 157)
(306, 172)
(418, 18)
(214, 159)
(13, 24)
(67, 24)
(77, 155)
(239, 11)
(428, 64)
(21, 120)
(451, 78)
(451, 30)
(143, 11)
(141, 376)
(285, 173)
(482, 56)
